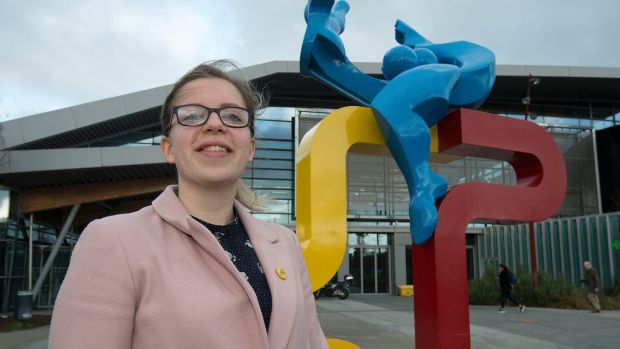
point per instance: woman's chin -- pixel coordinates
(217, 182)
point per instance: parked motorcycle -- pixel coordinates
(338, 289)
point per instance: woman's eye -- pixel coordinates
(191, 117)
(231, 117)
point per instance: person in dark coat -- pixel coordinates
(592, 282)
(505, 285)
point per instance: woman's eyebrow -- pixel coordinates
(231, 104)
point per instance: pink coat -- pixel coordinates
(157, 278)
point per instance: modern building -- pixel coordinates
(62, 169)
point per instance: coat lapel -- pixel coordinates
(275, 256)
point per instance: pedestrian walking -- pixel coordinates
(505, 285)
(592, 282)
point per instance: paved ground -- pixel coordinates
(387, 322)
(31, 339)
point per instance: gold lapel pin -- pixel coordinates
(281, 273)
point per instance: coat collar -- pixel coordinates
(168, 206)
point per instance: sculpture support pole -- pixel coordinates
(441, 309)
(533, 259)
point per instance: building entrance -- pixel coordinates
(369, 263)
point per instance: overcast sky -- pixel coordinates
(59, 53)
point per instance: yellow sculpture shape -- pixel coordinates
(340, 344)
(321, 191)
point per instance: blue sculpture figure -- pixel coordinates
(424, 80)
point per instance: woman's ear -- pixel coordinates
(252, 149)
(166, 149)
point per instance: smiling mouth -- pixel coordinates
(213, 148)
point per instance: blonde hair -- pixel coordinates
(248, 198)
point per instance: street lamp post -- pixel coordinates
(531, 81)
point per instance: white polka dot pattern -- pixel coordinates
(236, 243)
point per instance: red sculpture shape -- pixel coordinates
(440, 268)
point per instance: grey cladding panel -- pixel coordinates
(95, 112)
(54, 159)
(511, 70)
(547, 71)
(146, 99)
(47, 124)
(590, 72)
(137, 155)
(12, 133)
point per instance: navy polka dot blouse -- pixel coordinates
(236, 243)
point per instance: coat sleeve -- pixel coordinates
(315, 332)
(96, 303)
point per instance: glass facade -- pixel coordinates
(376, 187)
(377, 198)
(14, 262)
(377, 194)
(271, 174)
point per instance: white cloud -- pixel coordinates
(84, 51)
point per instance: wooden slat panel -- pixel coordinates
(49, 198)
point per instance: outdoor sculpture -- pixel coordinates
(441, 296)
(425, 81)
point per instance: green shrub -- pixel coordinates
(17, 325)
(610, 302)
(484, 291)
(526, 294)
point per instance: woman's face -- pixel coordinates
(211, 154)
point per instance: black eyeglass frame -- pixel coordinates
(210, 111)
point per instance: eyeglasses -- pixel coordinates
(194, 115)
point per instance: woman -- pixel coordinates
(505, 285)
(194, 269)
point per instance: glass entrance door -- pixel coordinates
(369, 270)
(383, 269)
(369, 265)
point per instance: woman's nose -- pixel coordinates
(213, 123)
